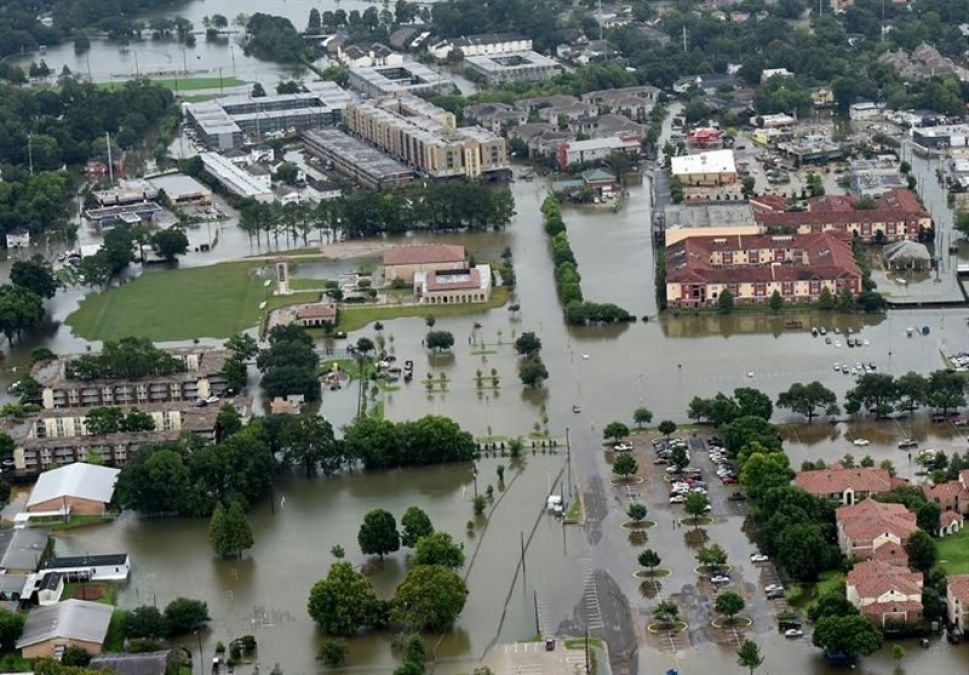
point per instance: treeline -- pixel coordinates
(288, 365)
(537, 19)
(274, 38)
(22, 300)
(578, 311)
(129, 358)
(359, 213)
(381, 444)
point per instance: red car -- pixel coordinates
(729, 480)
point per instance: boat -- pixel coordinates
(823, 330)
(576, 409)
(909, 331)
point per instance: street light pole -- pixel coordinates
(198, 634)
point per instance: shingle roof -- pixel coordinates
(873, 578)
(958, 587)
(24, 549)
(836, 479)
(75, 619)
(84, 481)
(868, 519)
(416, 255)
(146, 663)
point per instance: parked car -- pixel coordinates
(861, 442)
(776, 595)
(908, 443)
(661, 460)
(622, 447)
(729, 480)
(758, 558)
(773, 587)
(677, 499)
(719, 579)
(793, 633)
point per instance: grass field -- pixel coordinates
(184, 84)
(954, 553)
(353, 318)
(800, 595)
(215, 301)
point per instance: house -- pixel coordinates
(705, 137)
(907, 255)
(884, 592)
(752, 267)
(705, 169)
(318, 190)
(868, 527)
(100, 567)
(23, 550)
(14, 590)
(291, 405)
(402, 262)
(950, 522)
(865, 110)
(18, 238)
(316, 315)
(594, 149)
(957, 601)
(846, 485)
(50, 589)
(79, 488)
(952, 495)
(145, 663)
(48, 631)
(481, 45)
(769, 73)
(498, 117)
(708, 83)
(286, 194)
(453, 286)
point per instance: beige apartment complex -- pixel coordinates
(426, 137)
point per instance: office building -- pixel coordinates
(409, 78)
(355, 159)
(525, 66)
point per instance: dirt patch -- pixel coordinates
(90, 591)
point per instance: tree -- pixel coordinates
(625, 466)
(532, 371)
(825, 299)
(742, 433)
(921, 551)
(616, 431)
(308, 440)
(145, 621)
(666, 613)
(946, 390)
(378, 533)
(439, 340)
(258, 91)
(679, 457)
(11, 628)
(927, 516)
(169, 244)
(229, 530)
(344, 601)
(776, 302)
(667, 427)
(803, 550)
(748, 656)
(712, 556)
(21, 310)
(429, 598)
(898, 653)
(332, 652)
(696, 505)
(913, 391)
(806, 399)
(729, 604)
(75, 656)
(243, 346)
(649, 558)
(846, 635)
(637, 512)
(528, 344)
(725, 302)
(642, 416)
(227, 422)
(438, 548)
(35, 275)
(183, 615)
(414, 524)
(831, 603)
(753, 403)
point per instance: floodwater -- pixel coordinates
(107, 61)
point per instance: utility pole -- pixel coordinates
(523, 553)
(30, 151)
(107, 135)
(568, 459)
(684, 39)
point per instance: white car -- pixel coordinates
(758, 558)
(677, 499)
(719, 579)
(861, 442)
(773, 587)
(793, 633)
(622, 447)
(837, 367)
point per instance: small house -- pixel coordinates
(48, 631)
(316, 315)
(18, 238)
(74, 488)
(50, 589)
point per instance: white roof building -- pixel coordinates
(714, 161)
(74, 481)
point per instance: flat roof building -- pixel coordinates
(79, 487)
(712, 168)
(485, 43)
(594, 149)
(943, 137)
(708, 219)
(237, 179)
(182, 189)
(523, 66)
(411, 78)
(355, 159)
(225, 123)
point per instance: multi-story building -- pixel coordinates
(499, 117)
(522, 66)
(225, 123)
(410, 78)
(594, 149)
(751, 267)
(201, 378)
(957, 601)
(478, 45)
(355, 159)
(705, 169)
(897, 215)
(885, 593)
(871, 529)
(845, 485)
(248, 182)
(942, 138)
(426, 137)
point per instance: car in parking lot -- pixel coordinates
(677, 499)
(861, 442)
(908, 443)
(622, 447)
(793, 633)
(773, 587)
(758, 558)
(661, 460)
(776, 595)
(729, 480)
(719, 579)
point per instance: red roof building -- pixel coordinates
(957, 600)
(752, 267)
(705, 137)
(316, 315)
(845, 485)
(885, 593)
(952, 495)
(871, 529)
(403, 262)
(897, 215)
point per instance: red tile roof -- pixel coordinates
(422, 255)
(894, 206)
(964, 478)
(958, 587)
(943, 491)
(891, 554)
(873, 578)
(836, 479)
(946, 518)
(318, 311)
(455, 280)
(868, 519)
(817, 256)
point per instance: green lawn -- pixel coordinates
(114, 641)
(302, 283)
(353, 318)
(954, 553)
(83, 520)
(215, 301)
(800, 595)
(184, 84)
